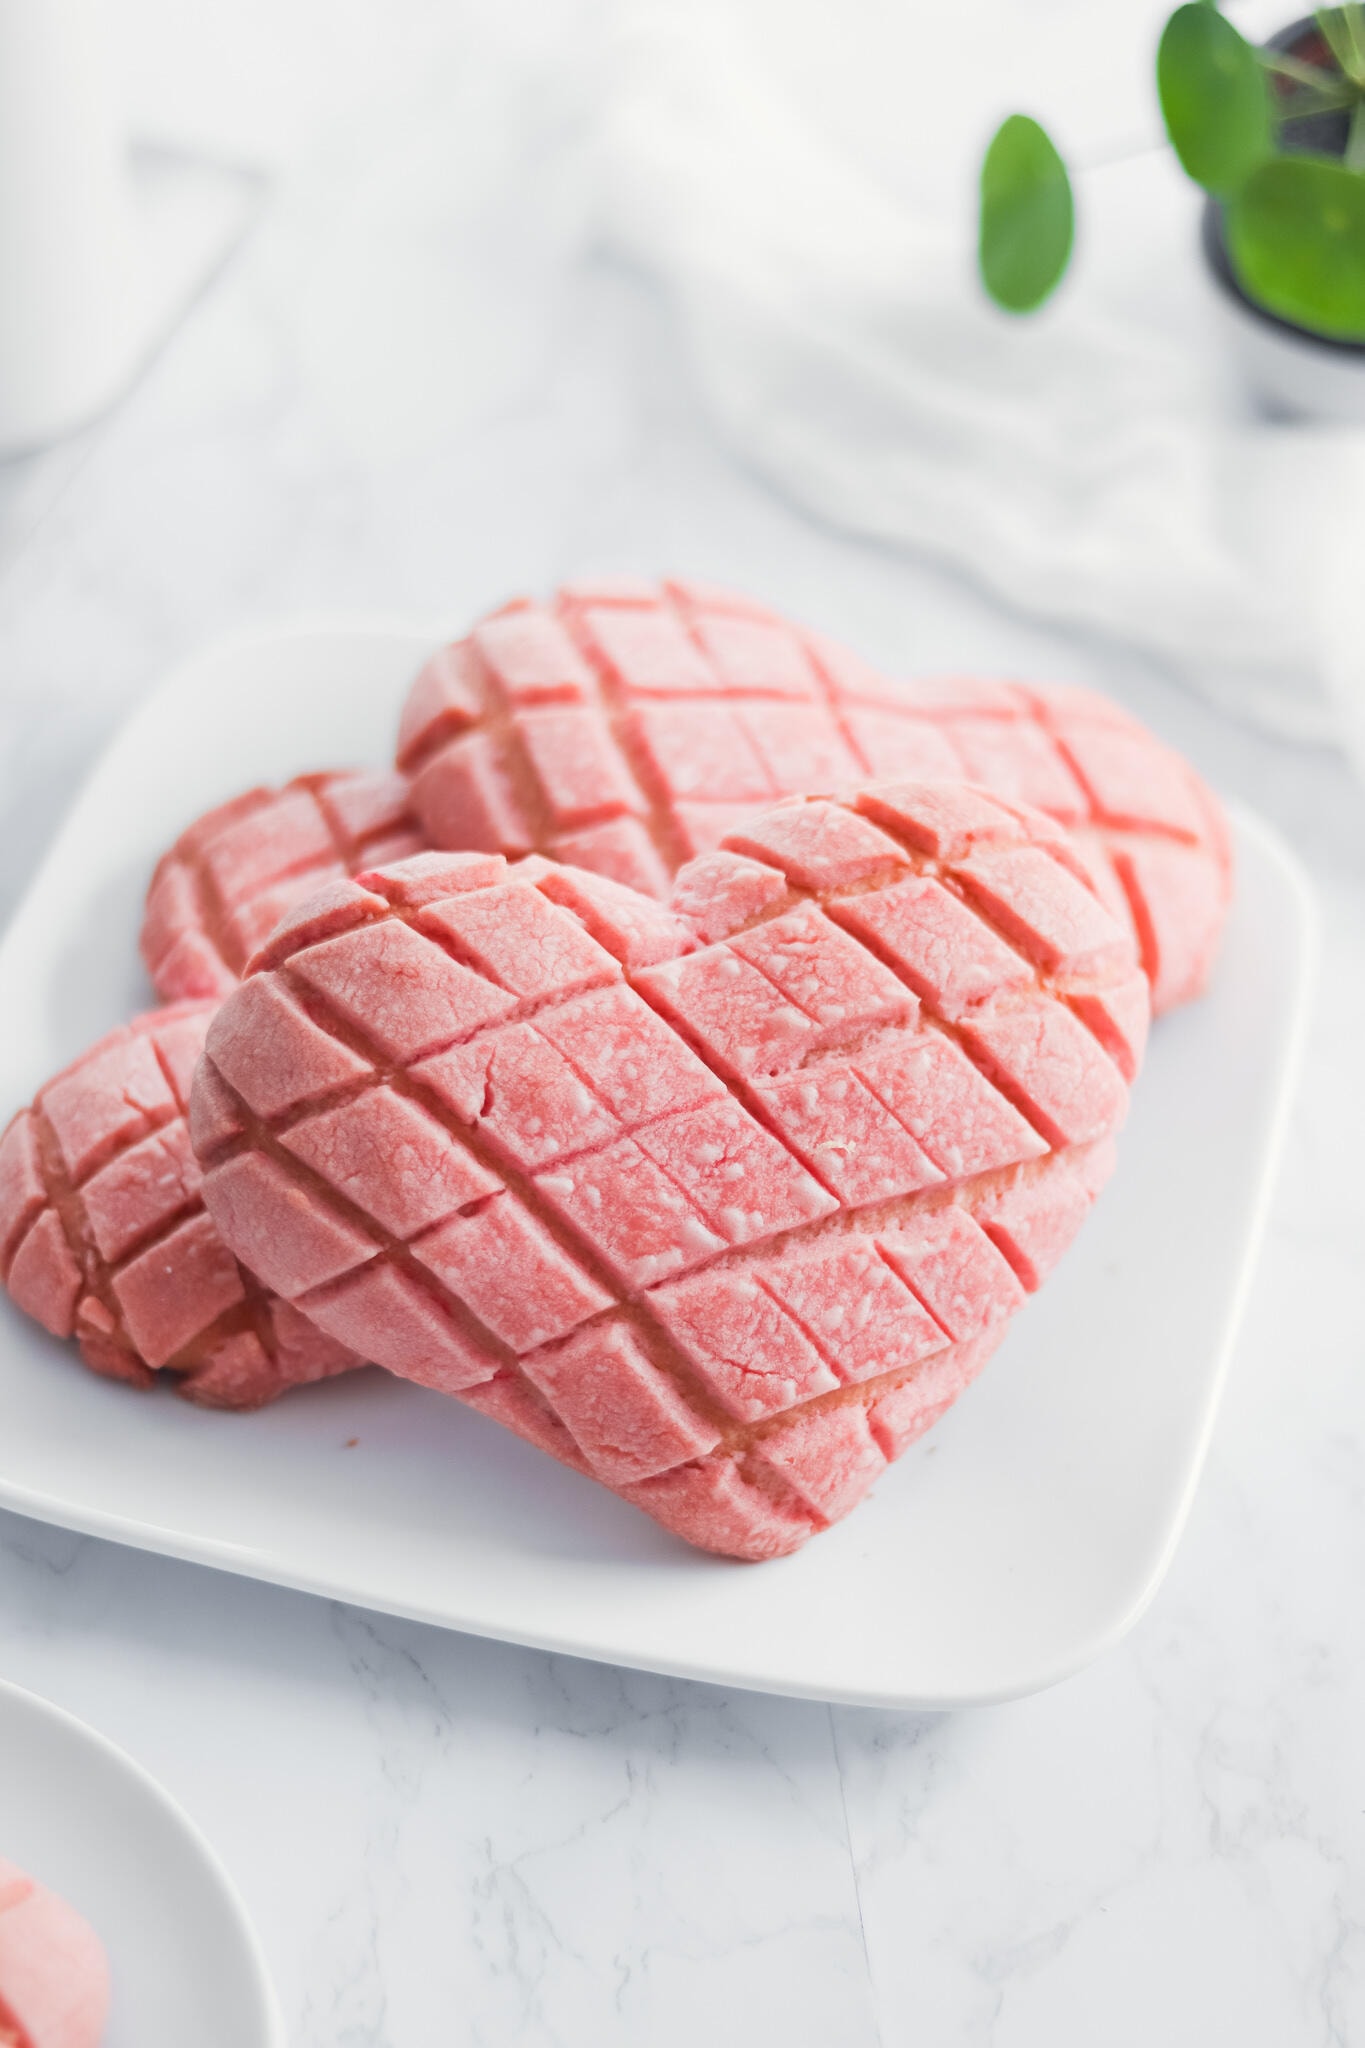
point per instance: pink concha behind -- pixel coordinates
(104, 1236)
(628, 727)
(233, 873)
(721, 1205)
(54, 1974)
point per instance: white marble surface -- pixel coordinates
(414, 390)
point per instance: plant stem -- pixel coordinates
(1326, 19)
(1311, 77)
(1354, 157)
(1354, 17)
(1338, 35)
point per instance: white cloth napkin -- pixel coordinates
(1093, 464)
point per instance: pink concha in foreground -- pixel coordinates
(725, 1225)
(54, 1975)
(232, 874)
(104, 1236)
(629, 726)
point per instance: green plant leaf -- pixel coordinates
(1028, 218)
(1215, 100)
(1296, 236)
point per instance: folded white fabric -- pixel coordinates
(1084, 464)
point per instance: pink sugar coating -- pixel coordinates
(625, 1415)
(385, 1141)
(936, 943)
(104, 1236)
(965, 1125)
(54, 1974)
(827, 1456)
(823, 972)
(303, 1063)
(846, 1135)
(634, 733)
(855, 1307)
(502, 1263)
(520, 1095)
(750, 1353)
(577, 767)
(1053, 918)
(411, 997)
(723, 1229)
(641, 1224)
(398, 1321)
(1050, 1065)
(635, 929)
(235, 872)
(118, 1092)
(901, 1417)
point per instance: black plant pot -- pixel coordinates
(1294, 369)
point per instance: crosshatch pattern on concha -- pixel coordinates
(628, 726)
(104, 1237)
(722, 1207)
(230, 876)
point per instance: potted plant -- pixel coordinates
(1276, 138)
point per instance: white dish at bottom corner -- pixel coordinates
(1022, 1537)
(85, 1820)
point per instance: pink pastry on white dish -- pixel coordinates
(54, 1975)
(103, 1235)
(234, 872)
(627, 727)
(721, 1205)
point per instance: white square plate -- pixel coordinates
(1019, 1540)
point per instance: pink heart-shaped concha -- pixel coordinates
(629, 726)
(723, 1208)
(54, 1974)
(233, 874)
(104, 1237)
